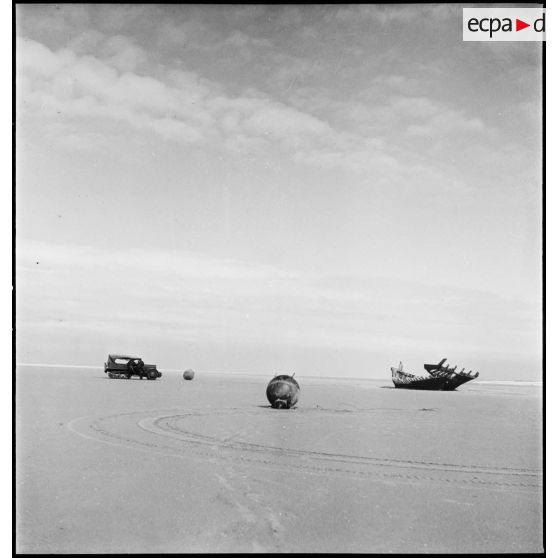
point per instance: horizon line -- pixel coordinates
(236, 373)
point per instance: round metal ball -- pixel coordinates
(282, 392)
(188, 375)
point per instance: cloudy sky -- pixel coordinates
(320, 189)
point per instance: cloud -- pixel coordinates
(123, 54)
(239, 39)
(436, 120)
(371, 139)
(373, 130)
(182, 107)
(186, 295)
(383, 111)
(382, 15)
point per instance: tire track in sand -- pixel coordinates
(168, 432)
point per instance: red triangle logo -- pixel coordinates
(519, 25)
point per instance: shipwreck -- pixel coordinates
(441, 378)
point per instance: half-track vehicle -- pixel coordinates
(123, 366)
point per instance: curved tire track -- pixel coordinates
(164, 432)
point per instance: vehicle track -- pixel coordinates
(169, 432)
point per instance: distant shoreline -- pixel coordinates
(255, 375)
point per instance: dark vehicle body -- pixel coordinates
(123, 366)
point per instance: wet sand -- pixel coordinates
(206, 465)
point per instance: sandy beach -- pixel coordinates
(129, 466)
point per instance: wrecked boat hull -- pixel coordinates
(437, 384)
(441, 378)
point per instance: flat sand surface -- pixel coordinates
(206, 465)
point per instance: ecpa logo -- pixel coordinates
(503, 24)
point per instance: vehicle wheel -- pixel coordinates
(111, 375)
(151, 375)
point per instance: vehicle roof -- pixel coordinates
(113, 357)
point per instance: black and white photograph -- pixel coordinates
(278, 278)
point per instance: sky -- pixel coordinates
(326, 190)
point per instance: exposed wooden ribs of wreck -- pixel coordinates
(442, 378)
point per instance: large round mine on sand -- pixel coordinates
(188, 375)
(282, 392)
